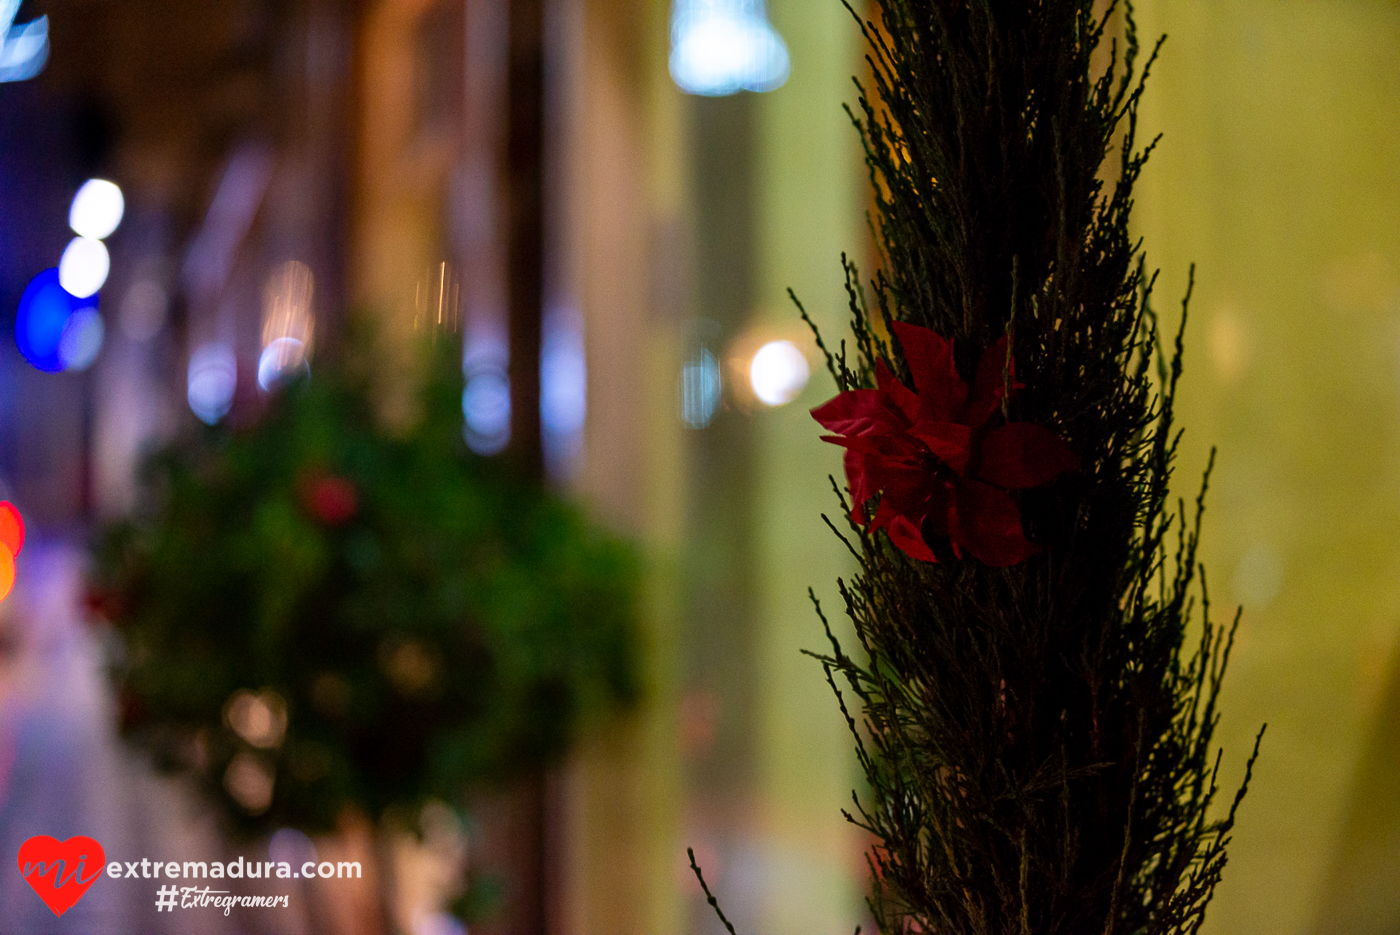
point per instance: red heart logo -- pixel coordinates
(56, 868)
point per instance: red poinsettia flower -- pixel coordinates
(942, 464)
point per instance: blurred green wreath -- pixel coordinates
(320, 615)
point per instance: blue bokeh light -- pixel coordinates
(213, 379)
(722, 47)
(43, 314)
(82, 339)
(23, 49)
(486, 405)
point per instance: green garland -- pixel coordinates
(320, 615)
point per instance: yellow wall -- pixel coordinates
(811, 199)
(1279, 175)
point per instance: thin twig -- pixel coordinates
(714, 903)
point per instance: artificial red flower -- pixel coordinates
(942, 465)
(330, 499)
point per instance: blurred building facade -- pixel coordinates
(369, 140)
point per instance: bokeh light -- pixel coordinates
(721, 47)
(287, 304)
(563, 385)
(486, 396)
(7, 573)
(43, 313)
(486, 406)
(437, 301)
(81, 339)
(11, 528)
(437, 923)
(1258, 577)
(84, 266)
(288, 325)
(260, 719)
(563, 390)
(290, 846)
(778, 373)
(282, 362)
(97, 209)
(213, 376)
(25, 49)
(700, 388)
(11, 541)
(250, 782)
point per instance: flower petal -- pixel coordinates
(950, 441)
(870, 470)
(905, 536)
(906, 399)
(988, 524)
(859, 412)
(912, 494)
(930, 358)
(902, 448)
(1021, 455)
(858, 478)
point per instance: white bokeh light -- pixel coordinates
(84, 267)
(97, 209)
(213, 376)
(778, 373)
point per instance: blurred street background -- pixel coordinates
(605, 202)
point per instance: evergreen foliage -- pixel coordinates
(1037, 739)
(424, 620)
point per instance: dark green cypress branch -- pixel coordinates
(1037, 740)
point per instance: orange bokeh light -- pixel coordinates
(11, 529)
(7, 572)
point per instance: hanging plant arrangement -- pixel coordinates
(319, 615)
